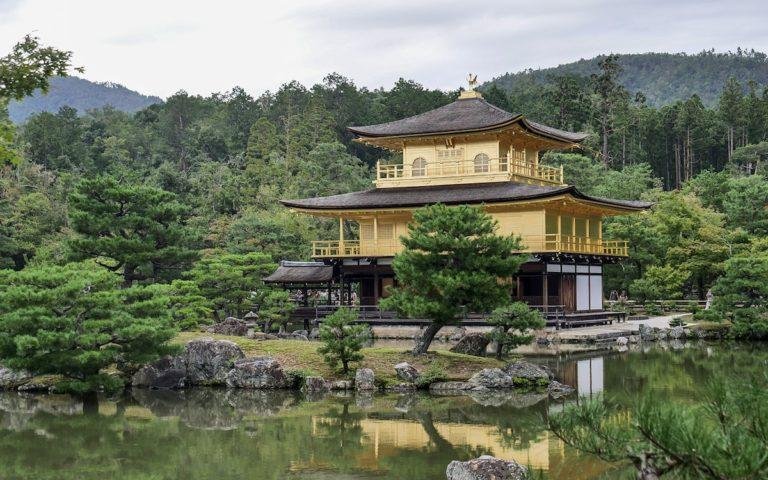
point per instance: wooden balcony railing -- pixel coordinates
(502, 168)
(534, 243)
(573, 244)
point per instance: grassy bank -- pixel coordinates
(303, 356)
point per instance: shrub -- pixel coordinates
(75, 321)
(434, 373)
(660, 283)
(342, 339)
(652, 308)
(514, 325)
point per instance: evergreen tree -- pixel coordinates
(342, 339)
(513, 326)
(730, 107)
(610, 97)
(276, 308)
(74, 321)
(231, 281)
(133, 229)
(722, 437)
(452, 262)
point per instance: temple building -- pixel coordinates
(471, 152)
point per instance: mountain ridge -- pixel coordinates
(81, 94)
(662, 77)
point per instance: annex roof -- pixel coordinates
(465, 115)
(301, 272)
(497, 192)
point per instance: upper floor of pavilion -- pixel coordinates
(466, 141)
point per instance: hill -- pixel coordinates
(663, 77)
(81, 94)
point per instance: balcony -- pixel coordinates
(534, 244)
(450, 172)
(554, 243)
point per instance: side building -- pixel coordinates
(471, 152)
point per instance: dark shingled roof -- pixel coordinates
(463, 115)
(301, 272)
(451, 195)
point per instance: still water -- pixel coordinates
(220, 434)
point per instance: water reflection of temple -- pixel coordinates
(586, 376)
(389, 438)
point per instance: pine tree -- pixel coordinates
(731, 106)
(452, 263)
(342, 339)
(134, 229)
(513, 325)
(75, 321)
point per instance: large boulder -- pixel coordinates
(161, 374)
(647, 334)
(230, 326)
(315, 385)
(525, 374)
(472, 344)
(12, 379)
(486, 467)
(677, 333)
(365, 380)
(208, 361)
(492, 379)
(407, 372)
(257, 372)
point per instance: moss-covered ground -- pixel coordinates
(302, 356)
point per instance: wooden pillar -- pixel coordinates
(341, 236)
(375, 235)
(375, 287)
(519, 287)
(545, 290)
(305, 294)
(559, 231)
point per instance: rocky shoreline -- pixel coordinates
(222, 363)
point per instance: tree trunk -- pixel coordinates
(425, 340)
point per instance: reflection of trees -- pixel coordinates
(341, 435)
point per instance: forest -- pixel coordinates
(185, 193)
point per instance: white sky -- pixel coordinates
(159, 47)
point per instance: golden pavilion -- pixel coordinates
(471, 152)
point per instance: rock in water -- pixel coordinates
(230, 326)
(365, 379)
(208, 361)
(528, 374)
(163, 373)
(486, 468)
(677, 333)
(315, 385)
(257, 372)
(491, 378)
(472, 344)
(557, 389)
(407, 372)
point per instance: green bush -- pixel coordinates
(434, 373)
(342, 338)
(513, 326)
(653, 309)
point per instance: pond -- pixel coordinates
(219, 434)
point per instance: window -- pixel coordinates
(482, 163)
(386, 231)
(419, 167)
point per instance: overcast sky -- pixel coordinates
(161, 46)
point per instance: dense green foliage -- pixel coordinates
(276, 308)
(451, 264)
(342, 338)
(74, 321)
(723, 437)
(513, 326)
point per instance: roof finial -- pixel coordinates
(472, 81)
(470, 92)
